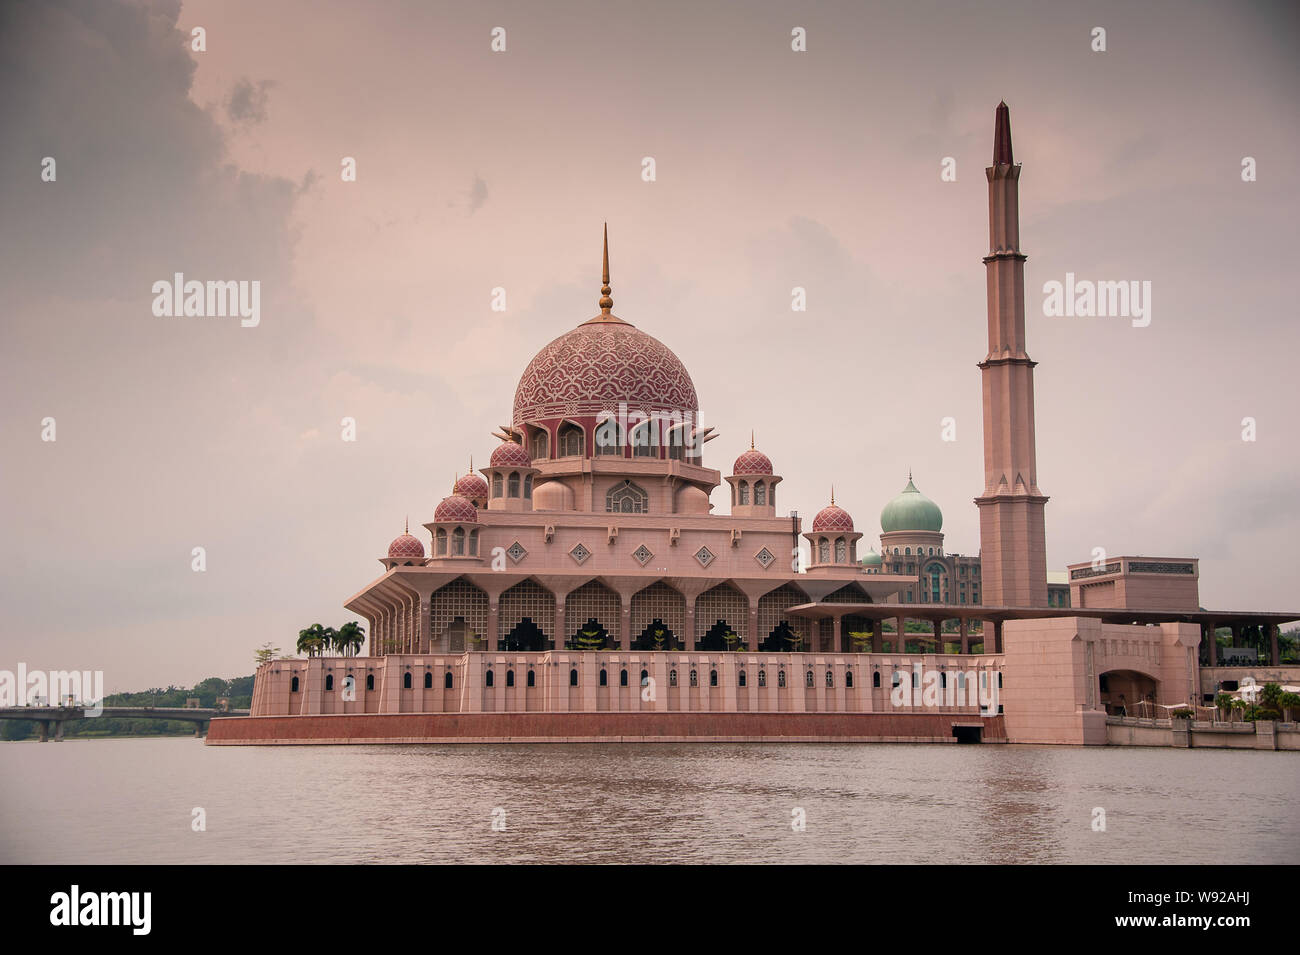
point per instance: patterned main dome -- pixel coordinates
(456, 509)
(752, 462)
(405, 547)
(589, 370)
(911, 511)
(471, 486)
(508, 454)
(832, 518)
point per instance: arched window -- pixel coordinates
(428, 680)
(446, 681)
(760, 493)
(532, 678)
(907, 550)
(961, 680)
(293, 687)
(999, 679)
(625, 498)
(895, 551)
(713, 678)
(406, 680)
(848, 679)
(916, 680)
(528, 487)
(458, 542)
(695, 678)
(943, 681)
(744, 492)
(643, 441)
(809, 680)
(762, 678)
(570, 440)
(473, 543)
(823, 551)
(645, 678)
(780, 679)
(740, 678)
(573, 678)
(672, 677)
(609, 438)
(370, 681)
(440, 542)
(510, 678)
(604, 677)
(514, 484)
(875, 680)
(496, 484)
(841, 551)
(622, 678)
(898, 678)
(830, 679)
(489, 679)
(541, 449)
(329, 682)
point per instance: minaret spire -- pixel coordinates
(1002, 136)
(606, 303)
(751, 440)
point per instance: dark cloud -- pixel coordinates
(247, 102)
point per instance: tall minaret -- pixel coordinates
(1013, 546)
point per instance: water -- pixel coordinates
(131, 801)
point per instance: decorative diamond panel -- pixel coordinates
(516, 552)
(579, 553)
(704, 556)
(764, 557)
(642, 554)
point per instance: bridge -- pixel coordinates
(44, 716)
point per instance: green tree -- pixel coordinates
(1224, 702)
(265, 654)
(313, 641)
(350, 637)
(588, 638)
(1289, 702)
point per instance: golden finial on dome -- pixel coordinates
(832, 494)
(408, 524)
(606, 303)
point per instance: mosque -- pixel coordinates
(582, 586)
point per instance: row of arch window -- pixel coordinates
(512, 485)
(810, 679)
(824, 550)
(571, 440)
(760, 493)
(920, 552)
(458, 538)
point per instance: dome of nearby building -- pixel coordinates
(456, 509)
(405, 547)
(911, 511)
(832, 518)
(872, 559)
(752, 462)
(509, 454)
(471, 486)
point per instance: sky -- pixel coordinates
(479, 169)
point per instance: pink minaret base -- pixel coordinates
(1013, 545)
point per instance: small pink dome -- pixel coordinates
(752, 462)
(456, 510)
(405, 547)
(472, 486)
(510, 455)
(832, 518)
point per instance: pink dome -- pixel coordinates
(456, 510)
(589, 370)
(472, 486)
(832, 518)
(508, 454)
(405, 547)
(752, 462)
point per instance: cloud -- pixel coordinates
(247, 102)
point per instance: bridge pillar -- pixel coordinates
(45, 730)
(58, 731)
(200, 729)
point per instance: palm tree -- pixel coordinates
(314, 640)
(350, 637)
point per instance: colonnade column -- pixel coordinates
(964, 630)
(1274, 655)
(1213, 649)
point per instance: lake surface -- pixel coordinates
(132, 801)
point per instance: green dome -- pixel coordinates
(872, 559)
(911, 511)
